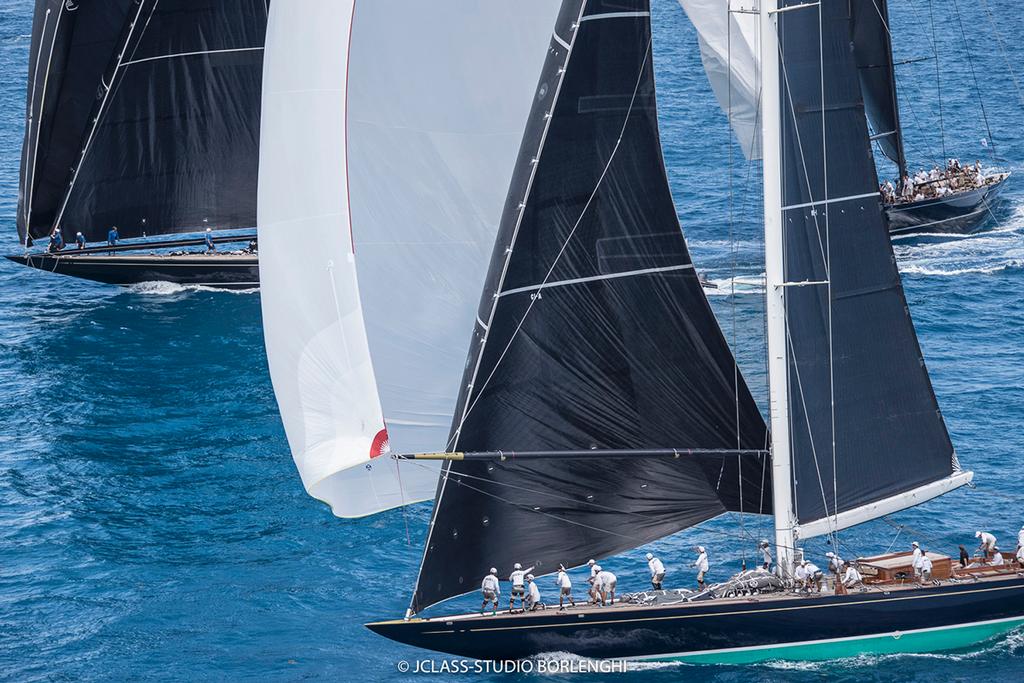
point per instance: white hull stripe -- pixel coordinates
(835, 200)
(802, 643)
(192, 54)
(596, 278)
(615, 15)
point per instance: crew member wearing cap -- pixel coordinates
(564, 588)
(208, 240)
(702, 566)
(766, 555)
(604, 584)
(56, 240)
(657, 571)
(592, 592)
(988, 543)
(80, 239)
(915, 560)
(533, 602)
(518, 588)
(491, 590)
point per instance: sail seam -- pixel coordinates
(615, 15)
(833, 200)
(192, 54)
(596, 278)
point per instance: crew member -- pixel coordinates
(852, 577)
(835, 563)
(80, 239)
(1020, 545)
(766, 555)
(605, 582)
(915, 560)
(926, 568)
(208, 241)
(564, 588)
(965, 557)
(56, 240)
(1020, 556)
(592, 591)
(701, 564)
(997, 558)
(490, 589)
(800, 574)
(814, 576)
(533, 602)
(657, 571)
(518, 588)
(113, 236)
(987, 544)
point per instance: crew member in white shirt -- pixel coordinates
(657, 571)
(915, 560)
(604, 584)
(701, 565)
(564, 588)
(491, 590)
(517, 579)
(987, 543)
(852, 577)
(533, 602)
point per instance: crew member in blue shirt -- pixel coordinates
(80, 240)
(208, 239)
(56, 240)
(112, 236)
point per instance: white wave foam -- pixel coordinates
(740, 284)
(160, 288)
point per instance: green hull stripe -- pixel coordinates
(926, 640)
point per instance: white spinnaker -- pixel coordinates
(730, 52)
(389, 133)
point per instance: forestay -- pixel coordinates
(382, 176)
(142, 114)
(867, 435)
(593, 332)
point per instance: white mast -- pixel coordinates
(775, 290)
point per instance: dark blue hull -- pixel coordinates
(961, 213)
(225, 271)
(876, 620)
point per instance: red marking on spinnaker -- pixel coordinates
(381, 444)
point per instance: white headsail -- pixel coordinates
(728, 32)
(389, 134)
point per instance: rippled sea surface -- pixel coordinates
(152, 524)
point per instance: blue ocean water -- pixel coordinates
(152, 524)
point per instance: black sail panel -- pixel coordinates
(164, 99)
(868, 392)
(593, 333)
(872, 48)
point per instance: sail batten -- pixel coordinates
(596, 335)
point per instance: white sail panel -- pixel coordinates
(727, 31)
(438, 103)
(403, 137)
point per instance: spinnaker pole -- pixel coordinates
(775, 289)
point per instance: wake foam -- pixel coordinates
(160, 288)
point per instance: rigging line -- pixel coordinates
(810, 433)
(938, 76)
(556, 496)
(974, 75)
(611, 157)
(35, 145)
(106, 96)
(1002, 49)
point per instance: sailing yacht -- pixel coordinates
(963, 209)
(600, 407)
(145, 116)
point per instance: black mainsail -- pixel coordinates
(142, 114)
(593, 332)
(872, 49)
(865, 424)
